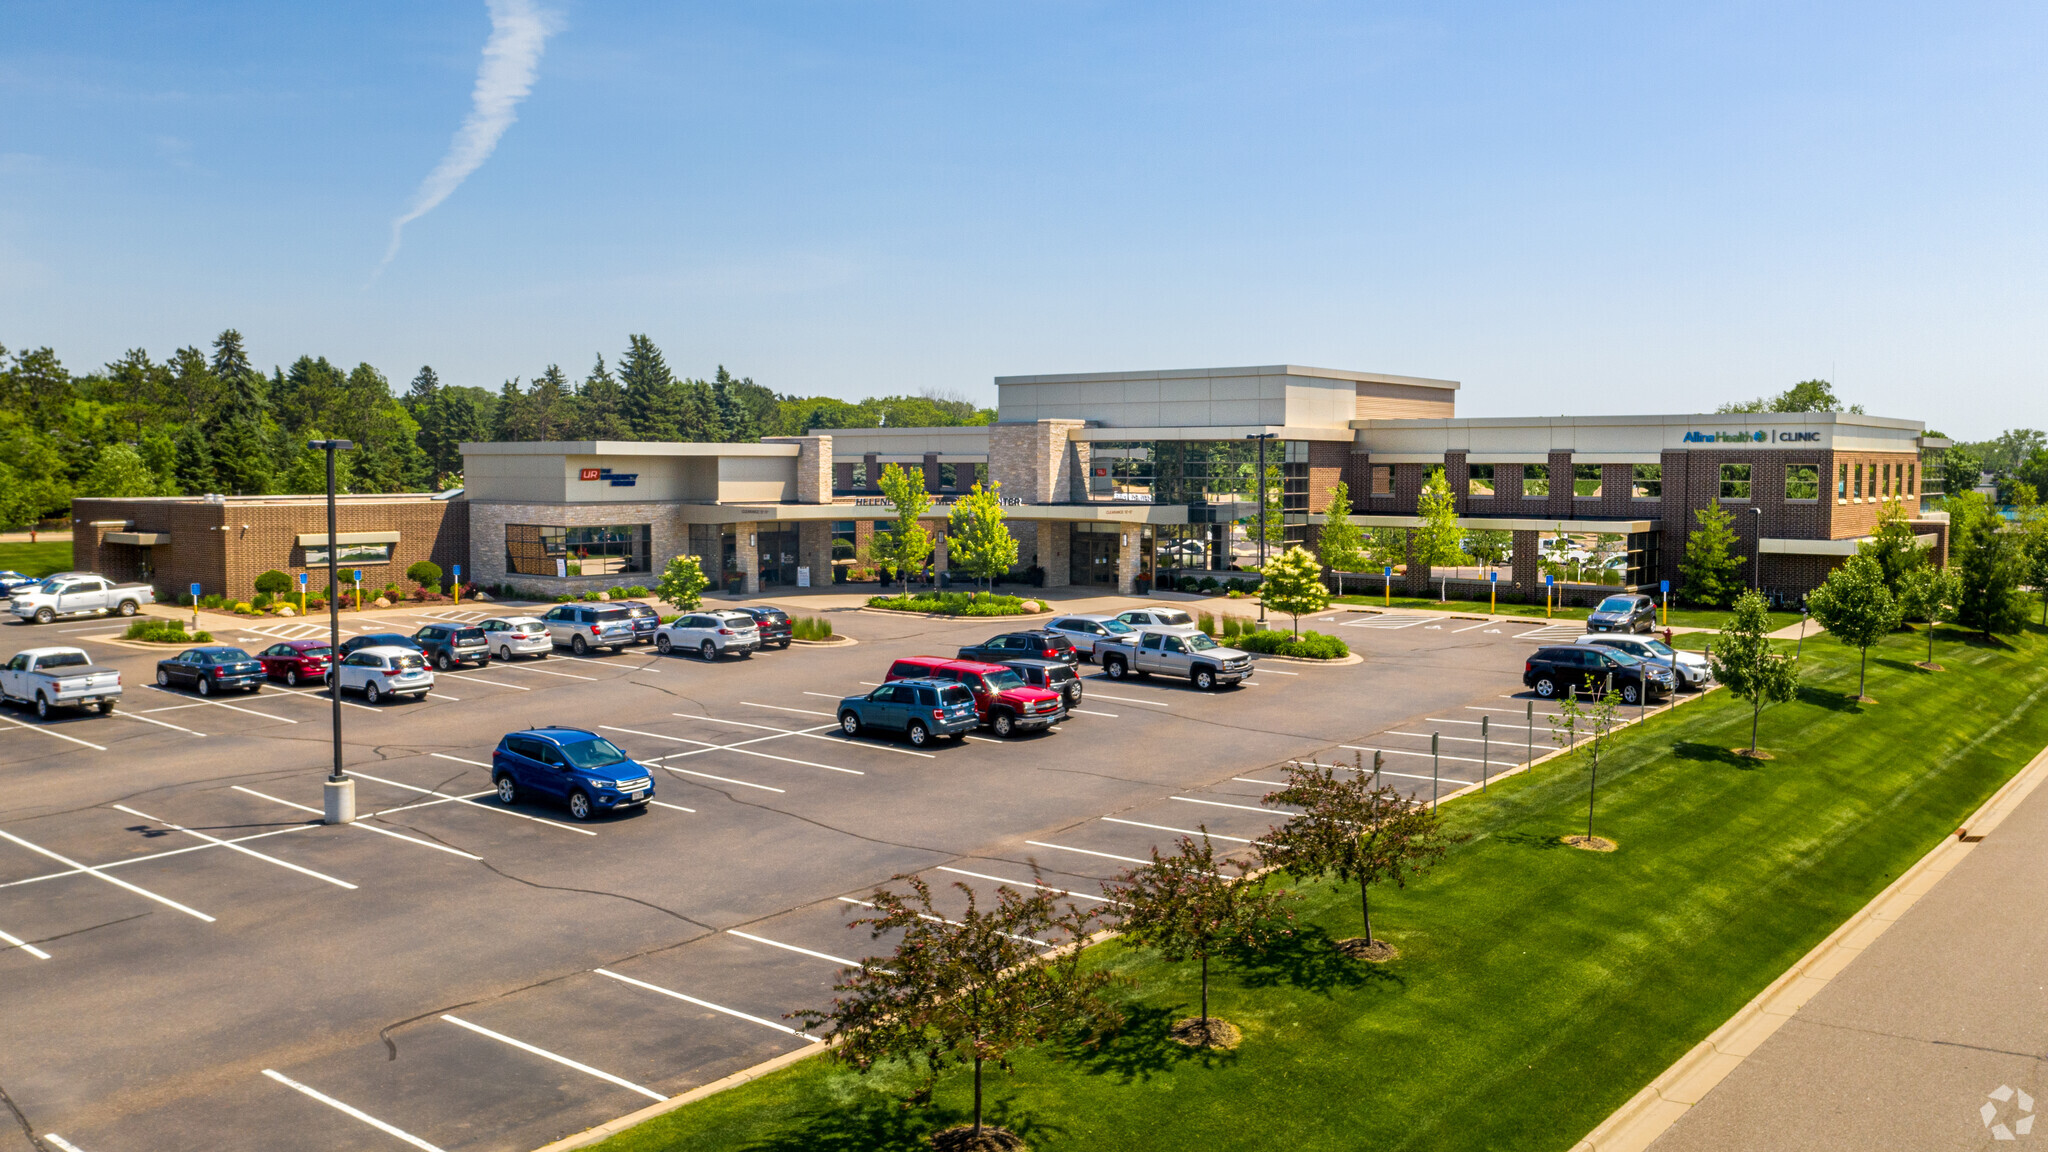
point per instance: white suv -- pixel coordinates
(510, 636)
(385, 670)
(1171, 621)
(710, 634)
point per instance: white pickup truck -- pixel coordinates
(1195, 656)
(59, 678)
(80, 594)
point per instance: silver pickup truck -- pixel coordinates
(1196, 657)
(80, 594)
(59, 678)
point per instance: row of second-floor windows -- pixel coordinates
(1853, 481)
(1875, 480)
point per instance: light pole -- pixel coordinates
(340, 792)
(1262, 437)
(1756, 567)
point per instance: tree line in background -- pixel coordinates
(208, 421)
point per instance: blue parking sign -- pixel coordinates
(1663, 585)
(1549, 579)
(458, 571)
(1389, 571)
(358, 577)
(195, 591)
(302, 577)
(1493, 577)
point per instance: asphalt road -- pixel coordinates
(462, 975)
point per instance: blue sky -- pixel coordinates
(1569, 207)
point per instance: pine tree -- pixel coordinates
(424, 386)
(193, 387)
(195, 475)
(600, 407)
(1708, 570)
(652, 407)
(698, 422)
(230, 361)
(550, 400)
(735, 418)
(515, 413)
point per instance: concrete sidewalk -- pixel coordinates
(1931, 1035)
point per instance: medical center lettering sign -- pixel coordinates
(1758, 437)
(615, 479)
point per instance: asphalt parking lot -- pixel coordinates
(190, 960)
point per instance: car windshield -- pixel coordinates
(638, 610)
(596, 752)
(469, 633)
(1659, 647)
(1624, 657)
(525, 624)
(1005, 680)
(1172, 616)
(322, 650)
(1116, 627)
(408, 661)
(63, 660)
(230, 655)
(1200, 642)
(49, 587)
(954, 694)
(1615, 604)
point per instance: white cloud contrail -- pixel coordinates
(519, 30)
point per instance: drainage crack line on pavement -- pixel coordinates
(27, 1129)
(1884, 1035)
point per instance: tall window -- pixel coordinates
(1536, 480)
(1842, 484)
(1802, 481)
(1911, 475)
(1382, 480)
(1586, 481)
(556, 550)
(1859, 480)
(1734, 481)
(1479, 485)
(1649, 482)
(1888, 482)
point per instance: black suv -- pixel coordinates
(1630, 613)
(1037, 644)
(645, 620)
(1051, 675)
(1586, 669)
(772, 623)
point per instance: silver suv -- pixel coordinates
(581, 627)
(710, 634)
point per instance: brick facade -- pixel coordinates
(1328, 462)
(669, 537)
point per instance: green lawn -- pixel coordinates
(1681, 617)
(1539, 986)
(38, 559)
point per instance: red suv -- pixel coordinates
(1001, 697)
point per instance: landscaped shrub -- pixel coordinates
(424, 573)
(952, 603)
(211, 600)
(590, 596)
(637, 591)
(810, 628)
(262, 602)
(1208, 584)
(616, 591)
(158, 630)
(1187, 584)
(563, 598)
(273, 583)
(1206, 621)
(1311, 645)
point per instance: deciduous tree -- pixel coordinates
(977, 540)
(1856, 608)
(1931, 594)
(1988, 562)
(1294, 585)
(1437, 537)
(1595, 716)
(1745, 663)
(1894, 547)
(906, 546)
(1340, 544)
(682, 583)
(118, 470)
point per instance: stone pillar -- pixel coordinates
(1127, 549)
(813, 466)
(1038, 461)
(931, 472)
(842, 476)
(746, 553)
(814, 550)
(938, 554)
(1528, 579)
(1416, 581)
(873, 465)
(1055, 543)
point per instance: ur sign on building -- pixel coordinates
(1115, 479)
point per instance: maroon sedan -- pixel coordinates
(296, 660)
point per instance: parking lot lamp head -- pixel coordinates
(339, 811)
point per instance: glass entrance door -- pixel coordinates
(778, 557)
(1094, 556)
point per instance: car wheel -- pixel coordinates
(618, 648)
(1004, 725)
(106, 707)
(1205, 680)
(919, 734)
(1546, 688)
(849, 723)
(508, 792)
(42, 707)
(784, 646)
(44, 615)
(443, 663)
(662, 645)
(1074, 696)
(1114, 668)
(127, 608)
(579, 806)
(291, 678)
(1629, 694)
(577, 646)
(707, 650)
(505, 652)
(370, 692)
(205, 686)
(163, 678)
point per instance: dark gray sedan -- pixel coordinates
(210, 670)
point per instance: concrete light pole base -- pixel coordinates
(341, 801)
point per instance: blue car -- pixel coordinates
(921, 709)
(582, 769)
(12, 582)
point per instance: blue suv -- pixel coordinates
(581, 768)
(921, 709)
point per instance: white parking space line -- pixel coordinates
(1274, 671)
(1027, 884)
(158, 722)
(686, 771)
(1475, 724)
(1390, 621)
(472, 803)
(826, 695)
(954, 923)
(1425, 756)
(813, 733)
(87, 628)
(481, 680)
(677, 807)
(1413, 776)
(361, 825)
(58, 735)
(547, 671)
(1469, 627)
(1221, 804)
(1087, 852)
(115, 881)
(25, 946)
(440, 696)
(798, 711)
(229, 844)
(1127, 700)
(322, 696)
(792, 948)
(1510, 711)
(171, 708)
(1085, 712)
(60, 1143)
(365, 1117)
(230, 707)
(733, 1012)
(1267, 783)
(127, 860)
(564, 1061)
(1182, 831)
(1427, 735)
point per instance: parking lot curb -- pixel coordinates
(1651, 1112)
(951, 616)
(835, 642)
(1340, 662)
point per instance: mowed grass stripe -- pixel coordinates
(1539, 987)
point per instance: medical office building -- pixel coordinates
(1119, 480)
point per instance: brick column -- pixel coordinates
(1458, 475)
(814, 550)
(1528, 580)
(746, 554)
(842, 475)
(932, 476)
(1127, 547)
(873, 466)
(938, 554)
(1560, 502)
(1055, 541)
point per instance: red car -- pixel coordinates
(296, 660)
(1001, 697)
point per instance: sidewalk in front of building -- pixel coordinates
(1922, 1023)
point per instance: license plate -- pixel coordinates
(635, 795)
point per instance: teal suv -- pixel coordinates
(920, 709)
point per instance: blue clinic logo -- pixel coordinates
(1759, 437)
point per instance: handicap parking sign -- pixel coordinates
(1663, 585)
